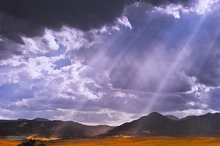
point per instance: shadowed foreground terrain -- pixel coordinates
(129, 141)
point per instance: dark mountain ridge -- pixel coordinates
(46, 128)
(156, 124)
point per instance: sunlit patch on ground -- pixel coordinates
(43, 138)
(7, 142)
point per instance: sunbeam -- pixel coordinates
(185, 50)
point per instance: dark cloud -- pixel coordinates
(29, 17)
(9, 48)
(185, 3)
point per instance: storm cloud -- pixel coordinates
(29, 18)
(25, 18)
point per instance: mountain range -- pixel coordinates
(154, 124)
(50, 129)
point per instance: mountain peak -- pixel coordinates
(155, 114)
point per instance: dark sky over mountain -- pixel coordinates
(108, 61)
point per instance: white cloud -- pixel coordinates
(103, 116)
(188, 112)
(118, 24)
(120, 94)
(204, 6)
(171, 10)
(124, 22)
(201, 7)
(42, 44)
(50, 41)
(199, 89)
(1, 39)
(72, 39)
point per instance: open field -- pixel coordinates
(139, 141)
(6, 142)
(128, 141)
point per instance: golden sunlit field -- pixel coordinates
(139, 141)
(6, 142)
(128, 141)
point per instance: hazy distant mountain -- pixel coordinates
(46, 128)
(156, 124)
(172, 117)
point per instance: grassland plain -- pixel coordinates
(129, 141)
(140, 141)
(7, 142)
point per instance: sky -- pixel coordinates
(108, 61)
